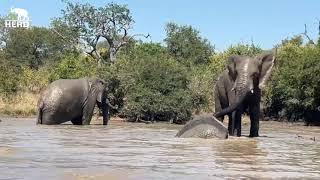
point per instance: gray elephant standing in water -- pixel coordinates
(239, 87)
(73, 100)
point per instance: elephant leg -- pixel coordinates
(77, 121)
(254, 111)
(232, 116)
(87, 113)
(49, 118)
(231, 123)
(237, 121)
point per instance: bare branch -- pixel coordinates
(126, 41)
(93, 53)
(125, 33)
(306, 34)
(63, 37)
(318, 26)
(108, 38)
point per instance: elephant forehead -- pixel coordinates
(243, 65)
(246, 65)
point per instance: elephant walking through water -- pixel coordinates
(239, 87)
(73, 100)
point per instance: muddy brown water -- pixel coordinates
(139, 151)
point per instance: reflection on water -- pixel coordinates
(138, 151)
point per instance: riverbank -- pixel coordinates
(22, 105)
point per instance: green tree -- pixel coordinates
(72, 67)
(154, 86)
(294, 90)
(33, 46)
(90, 25)
(243, 50)
(9, 76)
(296, 40)
(186, 45)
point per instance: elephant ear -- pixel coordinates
(101, 94)
(266, 65)
(232, 61)
(97, 85)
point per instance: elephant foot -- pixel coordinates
(238, 132)
(254, 132)
(235, 132)
(76, 122)
(231, 132)
(252, 135)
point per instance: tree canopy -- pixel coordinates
(89, 25)
(187, 46)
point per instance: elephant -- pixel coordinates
(239, 87)
(223, 93)
(204, 126)
(73, 100)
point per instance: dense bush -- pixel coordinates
(294, 91)
(33, 47)
(243, 50)
(155, 86)
(34, 81)
(71, 67)
(185, 44)
(9, 78)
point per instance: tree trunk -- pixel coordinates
(113, 54)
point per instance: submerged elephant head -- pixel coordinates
(249, 75)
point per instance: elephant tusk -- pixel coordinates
(251, 91)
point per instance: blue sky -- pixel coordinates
(265, 22)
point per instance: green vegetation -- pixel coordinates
(186, 46)
(156, 85)
(294, 92)
(148, 81)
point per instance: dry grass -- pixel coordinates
(20, 105)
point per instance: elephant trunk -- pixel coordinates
(242, 88)
(231, 108)
(105, 108)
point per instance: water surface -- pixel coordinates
(139, 151)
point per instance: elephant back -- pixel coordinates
(65, 93)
